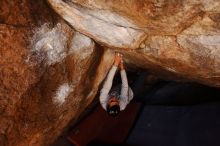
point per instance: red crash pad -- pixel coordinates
(98, 126)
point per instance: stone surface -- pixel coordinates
(49, 74)
(64, 91)
(105, 26)
(181, 38)
(53, 61)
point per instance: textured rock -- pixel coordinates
(106, 27)
(181, 37)
(51, 69)
(153, 17)
(64, 91)
(49, 74)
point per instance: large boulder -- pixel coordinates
(49, 73)
(181, 38)
(53, 61)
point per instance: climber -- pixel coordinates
(115, 99)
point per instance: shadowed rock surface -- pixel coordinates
(55, 54)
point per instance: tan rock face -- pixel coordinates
(51, 69)
(178, 37)
(107, 27)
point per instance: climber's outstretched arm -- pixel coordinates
(124, 86)
(108, 82)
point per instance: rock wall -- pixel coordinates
(55, 54)
(181, 38)
(49, 73)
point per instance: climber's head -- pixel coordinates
(113, 107)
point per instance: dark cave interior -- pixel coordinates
(169, 110)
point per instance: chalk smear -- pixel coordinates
(49, 44)
(62, 93)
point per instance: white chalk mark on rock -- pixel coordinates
(62, 93)
(81, 45)
(49, 44)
